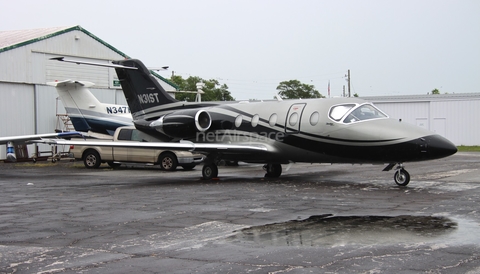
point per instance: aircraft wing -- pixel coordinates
(37, 137)
(182, 145)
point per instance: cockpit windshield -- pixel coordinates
(359, 113)
(337, 112)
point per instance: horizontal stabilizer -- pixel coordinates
(70, 83)
(109, 65)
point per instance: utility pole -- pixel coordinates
(348, 81)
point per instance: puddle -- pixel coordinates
(329, 230)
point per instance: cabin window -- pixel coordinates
(293, 119)
(238, 121)
(314, 118)
(255, 120)
(273, 120)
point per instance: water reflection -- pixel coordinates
(328, 230)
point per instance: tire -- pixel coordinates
(401, 177)
(91, 159)
(273, 170)
(168, 161)
(209, 171)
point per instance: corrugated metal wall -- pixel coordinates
(455, 119)
(458, 119)
(409, 112)
(17, 111)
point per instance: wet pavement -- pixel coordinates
(63, 218)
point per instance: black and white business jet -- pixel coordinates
(276, 132)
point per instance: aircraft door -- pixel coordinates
(293, 119)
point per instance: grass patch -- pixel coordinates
(468, 148)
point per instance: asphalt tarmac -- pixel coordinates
(319, 218)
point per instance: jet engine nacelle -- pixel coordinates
(183, 123)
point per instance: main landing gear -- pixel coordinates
(272, 170)
(401, 177)
(210, 170)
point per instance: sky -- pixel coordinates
(390, 47)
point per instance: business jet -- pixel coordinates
(276, 132)
(86, 112)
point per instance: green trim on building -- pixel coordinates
(165, 80)
(79, 28)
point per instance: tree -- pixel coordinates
(294, 89)
(435, 91)
(214, 91)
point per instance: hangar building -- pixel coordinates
(28, 105)
(454, 116)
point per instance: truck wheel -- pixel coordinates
(91, 159)
(168, 161)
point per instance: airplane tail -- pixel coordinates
(141, 89)
(76, 98)
(86, 112)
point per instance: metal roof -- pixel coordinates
(423, 97)
(18, 38)
(13, 39)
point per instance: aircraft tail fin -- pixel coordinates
(75, 94)
(77, 98)
(141, 89)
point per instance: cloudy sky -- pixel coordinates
(390, 47)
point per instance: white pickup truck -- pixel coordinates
(93, 157)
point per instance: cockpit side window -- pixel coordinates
(338, 112)
(364, 112)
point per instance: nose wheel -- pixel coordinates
(401, 177)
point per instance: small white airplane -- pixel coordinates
(86, 112)
(333, 130)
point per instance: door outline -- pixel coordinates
(295, 109)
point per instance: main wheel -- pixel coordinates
(401, 177)
(209, 171)
(168, 161)
(91, 159)
(273, 170)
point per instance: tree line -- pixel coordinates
(215, 91)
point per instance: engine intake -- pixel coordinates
(183, 123)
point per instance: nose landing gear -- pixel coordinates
(401, 177)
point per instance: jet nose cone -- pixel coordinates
(438, 146)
